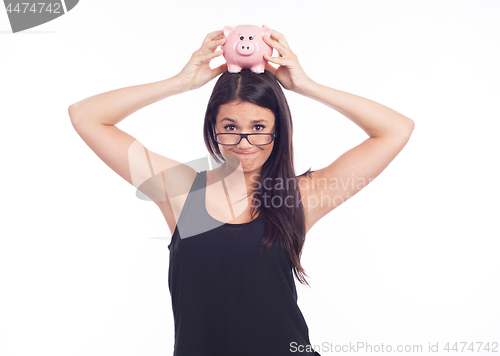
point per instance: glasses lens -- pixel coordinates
(232, 139)
(260, 139)
(228, 139)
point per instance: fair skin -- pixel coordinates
(239, 117)
(95, 120)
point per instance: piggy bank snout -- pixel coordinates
(245, 48)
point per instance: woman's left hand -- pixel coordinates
(289, 73)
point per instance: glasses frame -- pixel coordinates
(242, 136)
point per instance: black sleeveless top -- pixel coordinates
(230, 296)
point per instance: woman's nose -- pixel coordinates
(244, 143)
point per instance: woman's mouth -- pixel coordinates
(243, 154)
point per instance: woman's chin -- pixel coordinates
(247, 167)
(240, 163)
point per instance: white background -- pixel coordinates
(412, 259)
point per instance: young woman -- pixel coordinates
(238, 229)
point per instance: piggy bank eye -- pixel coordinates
(242, 37)
(250, 38)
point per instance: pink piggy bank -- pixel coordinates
(245, 48)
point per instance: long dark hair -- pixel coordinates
(285, 224)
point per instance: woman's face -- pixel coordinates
(245, 117)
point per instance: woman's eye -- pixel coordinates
(242, 37)
(250, 38)
(232, 126)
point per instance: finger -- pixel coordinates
(277, 60)
(280, 37)
(212, 45)
(209, 56)
(213, 35)
(279, 47)
(275, 38)
(271, 69)
(219, 70)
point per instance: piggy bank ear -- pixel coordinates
(266, 31)
(227, 30)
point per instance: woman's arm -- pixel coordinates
(373, 118)
(389, 131)
(112, 107)
(95, 118)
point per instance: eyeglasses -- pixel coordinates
(255, 139)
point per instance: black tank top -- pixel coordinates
(230, 297)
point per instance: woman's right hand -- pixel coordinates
(197, 71)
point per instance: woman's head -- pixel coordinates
(236, 101)
(245, 117)
(247, 102)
